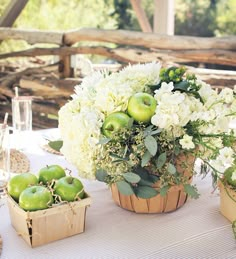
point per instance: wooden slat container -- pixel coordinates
(44, 226)
(175, 198)
(227, 202)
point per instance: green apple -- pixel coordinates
(50, 172)
(19, 183)
(69, 188)
(35, 198)
(141, 107)
(228, 175)
(115, 122)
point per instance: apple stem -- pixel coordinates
(146, 102)
(70, 180)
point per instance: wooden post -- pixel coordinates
(164, 17)
(64, 68)
(141, 15)
(12, 12)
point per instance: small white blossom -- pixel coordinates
(187, 142)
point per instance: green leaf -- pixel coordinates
(148, 131)
(101, 175)
(197, 95)
(164, 190)
(118, 161)
(171, 168)
(146, 177)
(176, 150)
(124, 188)
(145, 192)
(130, 123)
(56, 144)
(145, 182)
(161, 160)
(151, 145)
(142, 172)
(153, 178)
(117, 157)
(234, 228)
(191, 191)
(146, 158)
(154, 132)
(125, 150)
(182, 86)
(131, 177)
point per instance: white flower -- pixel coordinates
(174, 109)
(187, 142)
(227, 94)
(226, 155)
(206, 92)
(218, 165)
(224, 160)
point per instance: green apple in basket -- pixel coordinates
(51, 172)
(19, 183)
(35, 198)
(115, 122)
(141, 107)
(69, 188)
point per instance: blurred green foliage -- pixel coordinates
(192, 17)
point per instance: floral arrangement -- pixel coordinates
(130, 127)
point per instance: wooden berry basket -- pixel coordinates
(44, 226)
(175, 198)
(227, 201)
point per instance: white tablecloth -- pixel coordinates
(197, 230)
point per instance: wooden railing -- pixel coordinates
(127, 47)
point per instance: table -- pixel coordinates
(197, 230)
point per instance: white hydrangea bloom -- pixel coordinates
(174, 109)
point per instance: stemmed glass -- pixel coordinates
(4, 158)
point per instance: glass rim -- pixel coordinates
(22, 98)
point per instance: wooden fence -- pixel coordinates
(52, 85)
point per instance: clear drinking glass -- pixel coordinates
(21, 119)
(4, 157)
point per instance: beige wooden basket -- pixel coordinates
(227, 202)
(44, 226)
(175, 198)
